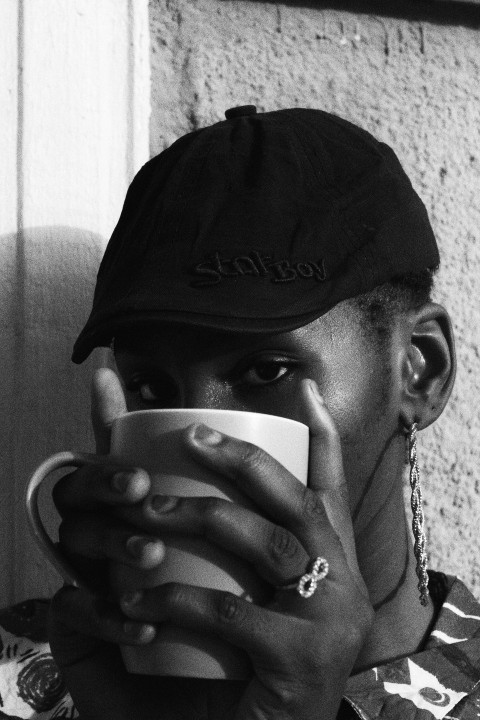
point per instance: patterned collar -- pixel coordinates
(441, 681)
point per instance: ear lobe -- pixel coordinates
(431, 366)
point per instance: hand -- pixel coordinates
(302, 650)
(86, 627)
(87, 537)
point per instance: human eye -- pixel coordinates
(156, 390)
(264, 371)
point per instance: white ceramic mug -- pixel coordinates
(151, 439)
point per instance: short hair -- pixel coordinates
(382, 305)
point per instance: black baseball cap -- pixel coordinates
(260, 223)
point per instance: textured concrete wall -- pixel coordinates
(413, 83)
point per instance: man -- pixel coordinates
(277, 263)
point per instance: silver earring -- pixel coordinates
(418, 520)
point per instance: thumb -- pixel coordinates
(108, 403)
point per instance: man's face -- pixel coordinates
(184, 366)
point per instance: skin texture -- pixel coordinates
(365, 612)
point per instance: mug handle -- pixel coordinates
(43, 540)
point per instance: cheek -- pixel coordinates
(362, 403)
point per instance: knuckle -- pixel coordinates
(283, 545)
(284, 698)
(213, 511)
(350, 636)
(352, 626)
(252, 458)
(229, 609)
(175, 594)
(313, 507)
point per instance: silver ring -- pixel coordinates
(307, 584)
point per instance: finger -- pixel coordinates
(108, 403)
(254, 472)
(94, 486)
(258, 631)
(101, 538)
(326, 475)
(275, 552)
(277, 493)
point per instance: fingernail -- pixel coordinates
(131, 598)
(120, 481)
(315, 392)
(207, 436)
(138, 631)
(138, 545)
(163, 503)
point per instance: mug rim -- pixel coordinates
(207, 411)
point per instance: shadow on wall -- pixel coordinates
(50, 274)
(441, 12)
(55, 270)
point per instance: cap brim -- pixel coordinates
(103, 334)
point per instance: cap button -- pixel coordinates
(240, 111)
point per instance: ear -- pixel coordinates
(429, 367)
